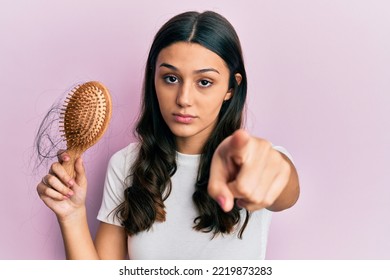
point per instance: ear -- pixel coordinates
(229, 94)
(238, 78)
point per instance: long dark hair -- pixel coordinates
(156, 161)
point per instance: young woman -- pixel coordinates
(196, 185)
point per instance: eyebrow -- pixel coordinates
(196, 71)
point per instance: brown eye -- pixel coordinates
(205, 83)
(170, 79)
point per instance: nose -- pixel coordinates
(185, 95)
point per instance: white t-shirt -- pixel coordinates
(175, 238)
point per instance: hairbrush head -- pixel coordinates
(84, 119)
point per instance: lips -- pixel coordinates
(184, 118)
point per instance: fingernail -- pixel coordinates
(66, 158)
(221, 201)
(70, 193)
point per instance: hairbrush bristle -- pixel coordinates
(85, 116)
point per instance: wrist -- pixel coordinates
(76, 217)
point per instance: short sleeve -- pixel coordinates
(284, 151)
(117, 174)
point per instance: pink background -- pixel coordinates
(319, 85)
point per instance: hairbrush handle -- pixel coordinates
(69, 165)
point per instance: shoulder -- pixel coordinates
(126, 154)
(121, 161)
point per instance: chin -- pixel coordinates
(182, 132)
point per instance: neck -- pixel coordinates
(193, 145)
(189, 147)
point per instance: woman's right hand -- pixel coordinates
(62, 194)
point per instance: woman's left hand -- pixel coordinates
(248, 169)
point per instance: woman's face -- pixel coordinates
(191, 84)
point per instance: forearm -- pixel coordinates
(290, 194)
(77, 238)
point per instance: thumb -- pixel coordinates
(80, 177)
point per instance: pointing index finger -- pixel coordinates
(218, 180)
(224, 168)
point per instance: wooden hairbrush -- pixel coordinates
(84, 119)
